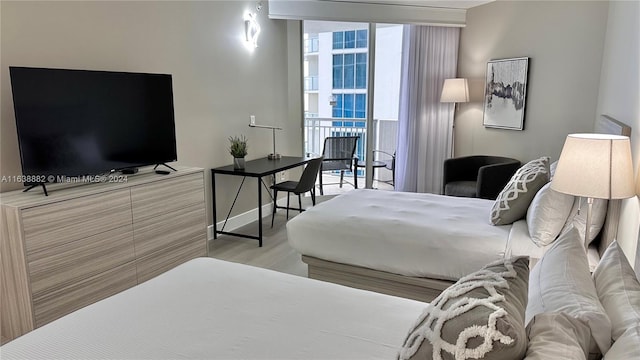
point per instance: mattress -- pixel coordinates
(212, 309)
(411, 234)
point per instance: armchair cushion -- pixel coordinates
(461, 188)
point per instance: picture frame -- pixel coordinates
(505, 93)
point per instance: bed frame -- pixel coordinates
(427, 289)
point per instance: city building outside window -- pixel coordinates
(350, 73)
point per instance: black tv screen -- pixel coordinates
(80, 122)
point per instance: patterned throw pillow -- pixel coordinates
(480, 316)
(513, 201)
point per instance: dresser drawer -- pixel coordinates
(166, 196)
(168, 258)
(55, 224)
(71, 298)
(178, 227)
(55, 268)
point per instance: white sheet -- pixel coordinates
(520, 242)
(212, 309)
(410, 234)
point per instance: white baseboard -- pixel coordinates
(249, 216)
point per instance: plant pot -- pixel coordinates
(238, 163)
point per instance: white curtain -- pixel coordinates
(425, 126)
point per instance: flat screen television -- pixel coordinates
(79, 122)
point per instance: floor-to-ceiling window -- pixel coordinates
(336, 63)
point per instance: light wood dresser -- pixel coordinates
(86, 242)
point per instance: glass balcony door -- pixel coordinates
(337, 58)
(386, 100)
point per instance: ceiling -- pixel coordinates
(451, 4)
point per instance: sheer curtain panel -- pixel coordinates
(430, 55)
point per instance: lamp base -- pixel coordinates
(274, 156)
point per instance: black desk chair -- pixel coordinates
(339, 154)
(306, 183)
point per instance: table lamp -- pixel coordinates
(638, 184)
(595, 166)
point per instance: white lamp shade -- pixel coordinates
(596, 166)
(638, 184)
(455, 90)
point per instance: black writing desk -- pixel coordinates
(258, 168)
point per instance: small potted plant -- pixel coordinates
(238, 149)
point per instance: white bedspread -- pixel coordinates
(212, 309)
(410, 234)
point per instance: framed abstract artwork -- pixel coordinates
(505, 93)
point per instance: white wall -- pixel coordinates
(564, 41)
(619, 97)
(217, 82)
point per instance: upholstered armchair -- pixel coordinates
(478, 176)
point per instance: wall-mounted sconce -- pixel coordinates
(333, 100)
(252, 28)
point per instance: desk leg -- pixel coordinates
(213, 202)
(260, 211)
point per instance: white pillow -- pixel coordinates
(626, 347)
(552, 169)
(547, 215)
(618, 290)
(579, 218)
(561, 282)
(557, 336)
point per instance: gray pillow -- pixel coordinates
(513, 201)
(557, 336)
(561, 282)
(618, 290)
(480, 316)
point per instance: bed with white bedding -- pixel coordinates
(212, 309)
(415, 245)
(406, 244)
(412, 245)
(411, 234)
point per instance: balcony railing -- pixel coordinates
(311, 45)
(311, 83)
(317, 129)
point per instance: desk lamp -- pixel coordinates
(595, 166)
(274, 155)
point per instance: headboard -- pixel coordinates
(608, 125)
